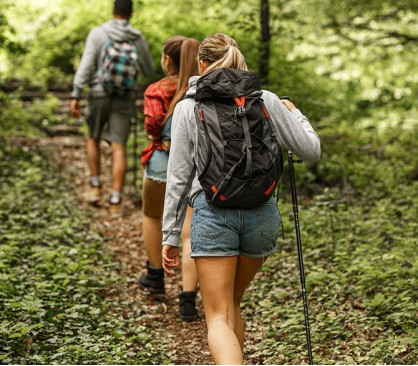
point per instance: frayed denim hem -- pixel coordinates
(155, 179)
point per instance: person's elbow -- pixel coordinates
(313, 153)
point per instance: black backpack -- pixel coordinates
(237, 156)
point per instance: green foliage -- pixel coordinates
(27, 119)
(4, 28)
(351, 67)
(370, 46)
(371, 155)
(53, 36)
(160, 21)
(57, 276)
(327, 55)
(8, 46)
(7, 31)
(361, 269)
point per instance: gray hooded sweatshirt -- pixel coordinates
(293, 131)
(118, 30)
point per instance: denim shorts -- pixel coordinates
(226, 232)
(156, 168)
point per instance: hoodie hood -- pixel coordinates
(121, 30)
(192, 86)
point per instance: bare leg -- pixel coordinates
(188, 267)
(247, 268)
(152, 210)
(216, 279)
(223, 281)
(93, 156)
(118, 166)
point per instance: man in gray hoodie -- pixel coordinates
(115, 111)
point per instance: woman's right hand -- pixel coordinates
(288, 104)
(171, 259)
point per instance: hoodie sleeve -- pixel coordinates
(180, 166)
(88, 63)
(145, 60)
(294, 130)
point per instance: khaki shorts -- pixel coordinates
(110, 117)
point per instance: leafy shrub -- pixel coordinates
(21, 118)
(56, 275)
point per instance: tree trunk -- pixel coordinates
(264, 51)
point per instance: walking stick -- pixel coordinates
(300, 257)
(299, 245)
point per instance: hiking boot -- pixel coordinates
(115, 209)
(188, 310)
(94, 194)
(153, 280)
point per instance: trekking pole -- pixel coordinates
(300, 257)
(299, 245)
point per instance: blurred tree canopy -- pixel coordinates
(351, 63)
(363, 50)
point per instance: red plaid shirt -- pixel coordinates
(157, 98)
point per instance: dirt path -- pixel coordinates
(187, 341)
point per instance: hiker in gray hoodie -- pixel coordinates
(229, 245)
(110, 109)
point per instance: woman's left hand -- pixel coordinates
(171, 259)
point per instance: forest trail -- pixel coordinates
(187, 342)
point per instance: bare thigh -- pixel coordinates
(223, 280)
(246, 270)
(216, 282)
(153, 198)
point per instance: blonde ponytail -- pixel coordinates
(219, 50)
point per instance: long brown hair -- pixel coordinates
(188, 67)
(172, 48)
